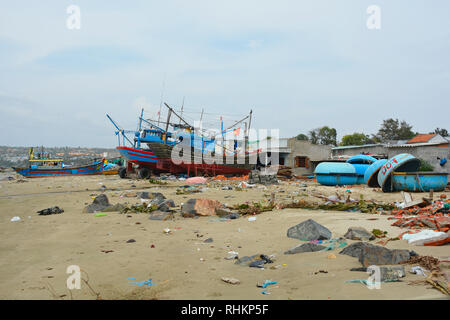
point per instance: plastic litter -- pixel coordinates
(418, 270)
(147, 283)
(424, 236)
(14, 219)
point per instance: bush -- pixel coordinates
(425, 166)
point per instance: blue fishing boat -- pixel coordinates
(419, 181)
(336, 174)
(370, 176)
(152, 149)
(403, 162)
(41, 164)
(361, 162)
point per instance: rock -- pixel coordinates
(369, 254)
(309, 230)
(223, 212)
(159, 215)
(52, 210)
(209, 240)
(231, 280)
(306, 247)
(378, 255)
(200, 207)
(392, 273)
(115, 208)
(234, 215)
(358, 233)
(355, 249)
(157, 198)
(143, 195)
(100, 203)
(166, 205)
(131, 241)
(245, 261)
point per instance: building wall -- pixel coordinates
(305, 149)
(378, 150)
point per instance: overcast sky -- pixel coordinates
(298, 64)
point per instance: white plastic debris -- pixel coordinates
(418, 239)
(418, 270)
(14, 219)
(252, 219)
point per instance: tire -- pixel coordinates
(123, 173)
(143, 173)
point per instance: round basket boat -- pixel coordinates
(336, 174)
(419, 181)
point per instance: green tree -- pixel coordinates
(394, 130)
(324, 135)
(302, 136)
(355, 139)
(443, 132)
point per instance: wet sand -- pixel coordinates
(36, 251)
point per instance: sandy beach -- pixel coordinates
(36, 251)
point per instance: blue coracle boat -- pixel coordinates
(361, 162)
(370, 176)
(419, 181)
(336, 174)
(403, 162)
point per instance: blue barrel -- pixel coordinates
(336, 174)
(370, 176)
(403, 162)
(419, 181)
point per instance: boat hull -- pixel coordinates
(336, 174)
(419, 181)
(159, 160)
(403, 162)
(370, 176)
(95, 168)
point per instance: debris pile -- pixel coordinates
(256, 176)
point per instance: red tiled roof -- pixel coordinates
(422, 138)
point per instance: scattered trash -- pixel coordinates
(48, 211)
(147, 283)
(426, 237)
(266, 283)
(14, 219)
(252, 219)
(231, 280)
(418, 270)
(100, 215)
(321, 271)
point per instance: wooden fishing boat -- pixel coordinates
(42, 165)
(152, 148)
